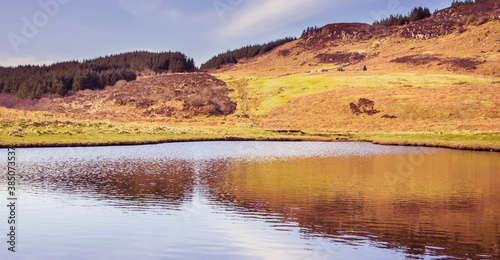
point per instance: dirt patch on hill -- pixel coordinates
(416, 60)
(451, 63)
(462, 63)
(179, 96)
(341, 57)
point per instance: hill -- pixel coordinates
(250, 51)
(176, 96)
(437, 74)
(461, 39)
(35, 81)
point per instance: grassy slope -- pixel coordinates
(268, 93)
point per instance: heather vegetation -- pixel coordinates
(467, 2)
(35, 81)
(40, 104)
(250, 51)
(165, 96)
(418, 13)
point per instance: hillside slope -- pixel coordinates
(167, 96)
(439, 74)
(463, 39)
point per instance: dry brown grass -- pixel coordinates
(454, 108)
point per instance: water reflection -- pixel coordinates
(129, 183)
(448, 206)
(415, 201)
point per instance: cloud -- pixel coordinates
(263, 15)
(7, 60)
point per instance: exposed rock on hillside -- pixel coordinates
(449, 20)
(343, 32)
(341, 57)
(442, 22)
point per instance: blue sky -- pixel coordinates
(47, 31)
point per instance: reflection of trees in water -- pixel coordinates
(344, 199)
(139, 183)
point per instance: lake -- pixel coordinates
(254, 200)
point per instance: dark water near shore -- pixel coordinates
(255, 200)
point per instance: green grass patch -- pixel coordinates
(268, 93)
(28, 133)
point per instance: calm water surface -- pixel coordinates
(255, 200)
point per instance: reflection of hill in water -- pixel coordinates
(137, 184)
(448, 204)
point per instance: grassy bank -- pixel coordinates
(55, 133)
(479, 141)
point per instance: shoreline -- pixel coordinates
(378, 139)
(464, 147)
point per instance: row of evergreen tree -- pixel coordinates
(35, 81)
(308, 30)
(249, 51)
(467, 2)
(418, 13)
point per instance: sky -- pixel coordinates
(49, 31)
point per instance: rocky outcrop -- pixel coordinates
(343, 32)
(442, 22)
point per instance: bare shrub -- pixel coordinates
(42, 104)
(364, 106)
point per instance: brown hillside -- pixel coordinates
(172, 96)
(401, 109)
(464, 39)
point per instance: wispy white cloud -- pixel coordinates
(261, 16)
